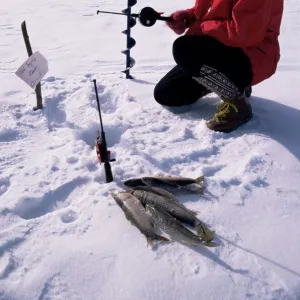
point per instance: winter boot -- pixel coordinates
(231, 114)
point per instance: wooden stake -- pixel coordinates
(38, 89)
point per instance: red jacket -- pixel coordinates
(253, 25)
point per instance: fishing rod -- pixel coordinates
(101, 147)
(147, 16)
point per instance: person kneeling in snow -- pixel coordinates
(229, 45)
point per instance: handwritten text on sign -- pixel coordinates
(33, 70)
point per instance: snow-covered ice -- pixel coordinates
(62, 236)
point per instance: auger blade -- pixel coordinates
(132, 62)
(131, 43)
(132, 23)
(127, 73)
(126, 11)
(126, 52)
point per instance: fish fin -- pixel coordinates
(147, 206)
(193, 212)
(200, 179)
(151, 240)
(130, 191)
(211, 244)
(200, 182)
(163, 192)
(203, 231)
(162, 239)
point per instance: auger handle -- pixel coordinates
(148, 16)
(115, 13)
(167, 19)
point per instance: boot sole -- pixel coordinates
(237, 126)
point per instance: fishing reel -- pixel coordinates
(101, 150)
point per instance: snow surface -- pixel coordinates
(61, 234)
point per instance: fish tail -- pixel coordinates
(200, 180)
(193, 212)
(211, 244)
(204, 232)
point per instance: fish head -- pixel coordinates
(117, 195)
(134, 182)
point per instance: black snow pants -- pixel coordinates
(203, 65)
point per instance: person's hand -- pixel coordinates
(181, 21)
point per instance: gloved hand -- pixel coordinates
(182, 19)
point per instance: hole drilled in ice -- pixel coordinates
(69, 216)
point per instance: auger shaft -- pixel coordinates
(116, 13)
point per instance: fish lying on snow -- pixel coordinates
(163, 193)
(156, 190)
(135, 212)
(177, 211)
(170, 183)
(175, 229)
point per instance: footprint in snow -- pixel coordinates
(51, 79)
(108, 99)
(54, 105)
(227, 183)
(87, 77)
(54, 110)
(6, 26)
(10, 135)
(4, 185)
(7, 265)
(55, 288)
(211, 171)
(11, 93)
(72, 160)
(31, 208)
(113, 134)
(259, 182)
(257, 170)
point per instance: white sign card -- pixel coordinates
(33, 70)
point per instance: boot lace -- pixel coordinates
(223, 109)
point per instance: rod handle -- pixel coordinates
(108, 172)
